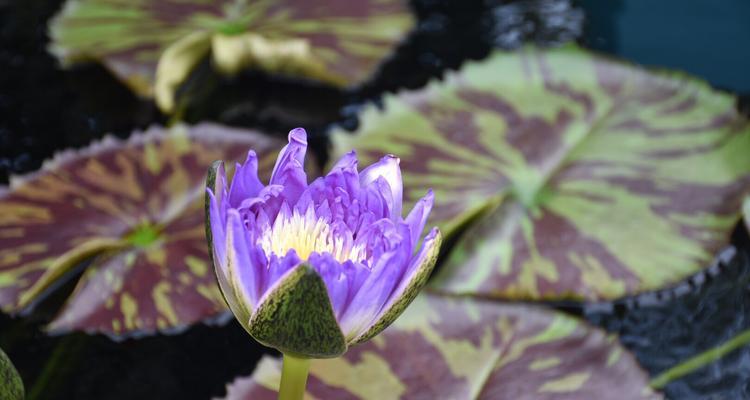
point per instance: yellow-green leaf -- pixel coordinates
(136, 206)
(333, 41)
(592, 178)
(451, 348)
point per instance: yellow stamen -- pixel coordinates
(307, 234)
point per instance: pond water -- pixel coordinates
(44, 109)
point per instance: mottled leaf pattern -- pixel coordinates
(346, 39)
(593, 178)
(451, 348)
(11, 385)
(138, 204)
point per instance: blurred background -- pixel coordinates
(45, 108)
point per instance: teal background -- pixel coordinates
(707, 38)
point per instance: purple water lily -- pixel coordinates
(311, 269)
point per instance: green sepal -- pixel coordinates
(297, 318)
(11, 385)
(213, 170)
(395, 309)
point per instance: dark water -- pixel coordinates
(705, 38)
(44, 109)
(667, 327)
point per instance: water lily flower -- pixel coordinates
(311, 269)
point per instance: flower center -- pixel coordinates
(308, 234)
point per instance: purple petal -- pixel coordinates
(323, 211)
(343, 179)
(415, 274)
(245, 183)
(277, 268)
(305, 201)
(289, 169)
(380, 237)
(221, 195)
(418, 216)
(414, 264)
(388, 168)
(218, 235)
(347, 162)
(268, 200)
(336, 281)
(385, 275)
(241, 266)
(294, 152)
(374, 201)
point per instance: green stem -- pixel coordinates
(61, 361)
(700, 360)
(293, 378)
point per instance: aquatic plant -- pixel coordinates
(154, 45)
(311, 269)
(448, 347)
(133, 208)
(576, 177)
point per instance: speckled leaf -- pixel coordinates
(296, 317)
(451, 348)
(336, 41)
(11, 385)
(593, 178)
(138, 206)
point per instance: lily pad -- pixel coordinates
(136, 205)
(588, 178)
(462, 348)
(334, 41)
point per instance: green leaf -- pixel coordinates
(340, 43)
(11, 385)
(592, 179)
(462, 348)
(296, 317)
(136, 206)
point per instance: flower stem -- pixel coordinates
(293, 377)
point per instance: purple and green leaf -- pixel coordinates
(462, 348)
(593, 179)
(137, 207)
(339, 42)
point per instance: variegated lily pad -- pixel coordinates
(451, 348)
(138, 206)
(340, 42)
(592, 179)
